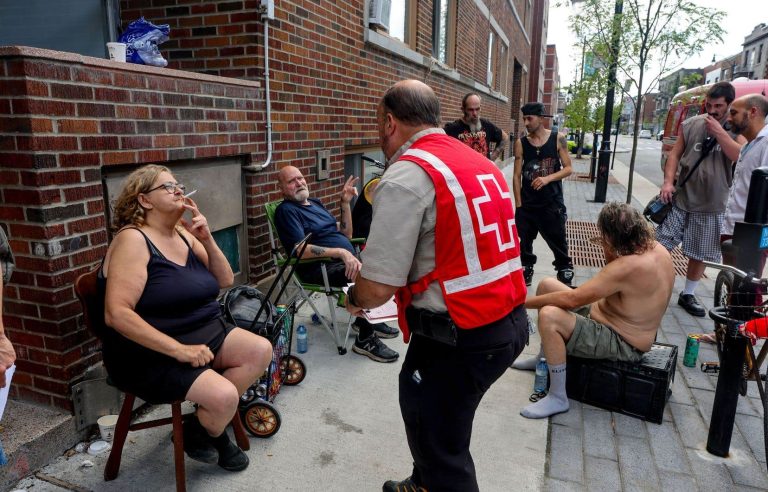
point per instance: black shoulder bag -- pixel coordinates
(656, 210)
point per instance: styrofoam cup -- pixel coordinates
(116, 51)
(107, 425)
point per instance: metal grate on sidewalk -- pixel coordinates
(584, 253)
(584, 178)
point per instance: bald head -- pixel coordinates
(758, 101)
(413, 103)
(747, 115)
(292, 184)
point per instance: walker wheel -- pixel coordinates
(261, 419)
(293, 370)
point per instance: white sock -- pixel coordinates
(557, 399)
(690, 286)
(528, 364)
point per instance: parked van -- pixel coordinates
(690, 103)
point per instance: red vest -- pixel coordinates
(477, 251)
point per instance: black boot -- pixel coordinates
(197, 443)
(231, 457)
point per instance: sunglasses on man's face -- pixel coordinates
(169, 187)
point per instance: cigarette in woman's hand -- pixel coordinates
(190, 193)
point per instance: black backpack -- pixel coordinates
(242, 304)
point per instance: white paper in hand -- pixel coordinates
(4, 391)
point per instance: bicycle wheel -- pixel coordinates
(723, 288)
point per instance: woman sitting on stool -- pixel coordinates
(169, 341)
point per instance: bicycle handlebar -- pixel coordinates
(740, 273)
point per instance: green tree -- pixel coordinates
(656, 36)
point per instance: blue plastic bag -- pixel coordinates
(141, 39)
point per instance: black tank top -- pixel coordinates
(539, 162)
(177, 299)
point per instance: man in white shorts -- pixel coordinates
(698, 207)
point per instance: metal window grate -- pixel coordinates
(584, 253)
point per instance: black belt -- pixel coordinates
(436, 326)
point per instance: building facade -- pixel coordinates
(72, 126)
(551, 97)
(754, 54)
(538, 50)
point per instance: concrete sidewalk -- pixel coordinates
(341, 427)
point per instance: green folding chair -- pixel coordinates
(334, 295)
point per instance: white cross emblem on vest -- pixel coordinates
(494, 226)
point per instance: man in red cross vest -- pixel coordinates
(443, 241)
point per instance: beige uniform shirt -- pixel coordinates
(401, 245)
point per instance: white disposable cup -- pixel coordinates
(116, 51)
(107, 425)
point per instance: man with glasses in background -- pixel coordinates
(614, 315)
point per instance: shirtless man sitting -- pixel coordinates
(614, 315)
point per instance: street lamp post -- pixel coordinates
(601, 187)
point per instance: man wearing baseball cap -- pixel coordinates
(541, 163)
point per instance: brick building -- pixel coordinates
(551, 96)
(538, 50)
(72, 126)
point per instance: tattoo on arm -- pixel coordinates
(343, 225)
(317, 250)
(562, 141)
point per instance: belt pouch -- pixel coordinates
(434, 326)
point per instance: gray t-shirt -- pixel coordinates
(401, 246)
(707, 189)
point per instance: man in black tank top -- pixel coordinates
(541, 162)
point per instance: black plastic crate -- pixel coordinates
(640, 390)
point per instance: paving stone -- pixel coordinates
(553, 485)
(694, 378)
(599, 438)
(571, 418)
(629, 426)
(747, 406)
(741, 488)
(744, 468)
(704, 400)
(636, 464)
(566, 460)
(680, 392)
(711, 474)
(752, 426)
(602, 474)
(671, 481)
(689, 424)
(667, 448)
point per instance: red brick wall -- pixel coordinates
(62, 118)
(326, 79)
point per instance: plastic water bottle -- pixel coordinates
(301, 339)
(542, 373)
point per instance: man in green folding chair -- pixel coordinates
(299, 215)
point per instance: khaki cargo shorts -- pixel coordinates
(594, 340)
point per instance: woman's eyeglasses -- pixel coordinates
(169, 187)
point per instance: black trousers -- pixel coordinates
(440, 389)
(550, 222)
(337, 277)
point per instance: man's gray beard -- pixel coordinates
(475, 127)
(300, 196)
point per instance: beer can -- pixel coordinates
(281, 311)
(691, 351)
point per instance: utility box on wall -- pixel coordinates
(323, 164)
